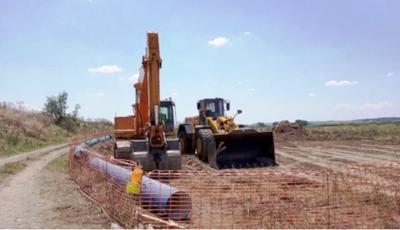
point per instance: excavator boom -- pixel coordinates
(142, 136)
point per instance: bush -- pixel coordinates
(56, 107)
(302, 122)
(13, 139)
(69, 123)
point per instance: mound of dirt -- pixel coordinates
(286, 130)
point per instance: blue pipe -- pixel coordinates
(97, 140)
(91, 143)
(159, 197)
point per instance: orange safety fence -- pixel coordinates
(253, 198)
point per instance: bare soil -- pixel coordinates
(372, 162)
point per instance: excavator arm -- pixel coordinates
(148, 94)
(149, 145)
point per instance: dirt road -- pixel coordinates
(38, 198)
(23, 156)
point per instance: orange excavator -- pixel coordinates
(147, 137)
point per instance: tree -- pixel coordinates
(56, 107)
(75, 113)
(261, 125)
(302, 122)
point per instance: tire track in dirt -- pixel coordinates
(338, 167)
(355, 157)
(374, 150)
(319, 155)
(389, 147)
(352, 150)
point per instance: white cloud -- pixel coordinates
(312, 94)
(251, 89)
(239, 82)
(175, 94)
(389, 74)
(100, 94)
(134, 77)
(106, 69)
(219, 41)
(335, 83)
(247, 33)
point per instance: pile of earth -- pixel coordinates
(285, 130)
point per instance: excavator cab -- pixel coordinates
(168, 116)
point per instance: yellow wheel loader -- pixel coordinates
(215, 138)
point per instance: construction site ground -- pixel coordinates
(39, 198)
(330, 155)
(358, 161)
(367, 172)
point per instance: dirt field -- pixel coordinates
(365, 188)
(320, 155)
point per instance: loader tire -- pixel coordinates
(186, 146)
(205, 144)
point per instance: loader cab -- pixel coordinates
(212, 107)
(168, 115)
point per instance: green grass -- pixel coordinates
(10, 169)
(20, 144)
(58, 164)
(358, 131)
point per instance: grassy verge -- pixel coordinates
(385, 131)
(58, 164)
(24, 131)
(10, 169)
(26, 144)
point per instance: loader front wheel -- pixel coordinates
(186, 145)
(204, 144)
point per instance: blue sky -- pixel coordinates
(275, 60)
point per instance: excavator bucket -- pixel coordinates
(168, 158)
(242, 148)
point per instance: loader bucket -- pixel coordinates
(243, 148)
